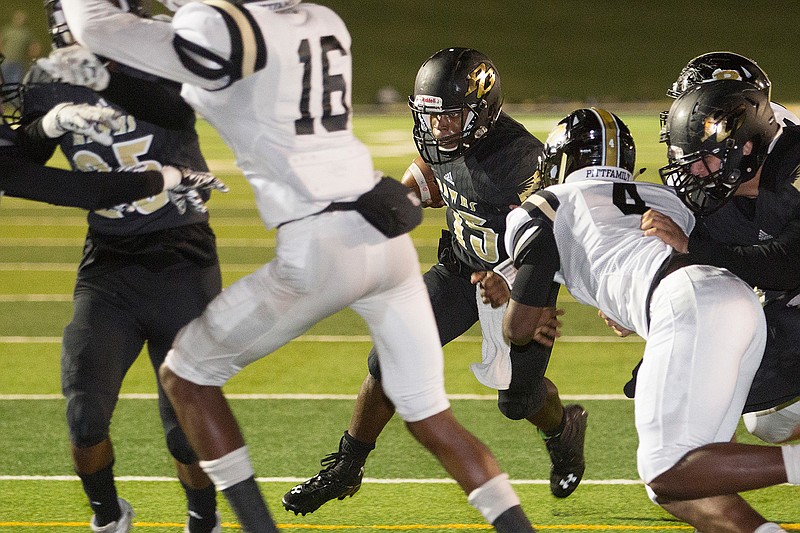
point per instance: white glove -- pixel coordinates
(77, 66)
(95, 122)
(174, 5)
(183, 186)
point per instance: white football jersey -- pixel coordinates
(606, 262)
(275, 85)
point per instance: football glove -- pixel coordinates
(77, 66)
(185, 191)
(95, 122)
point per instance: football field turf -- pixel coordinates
(295, 404)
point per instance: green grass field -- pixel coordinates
(294, 404)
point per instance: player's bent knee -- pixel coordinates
(88, 418)
(179, 447)
(372, 364)
(518, 405)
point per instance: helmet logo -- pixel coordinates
(481, 79)
(722, 128)
(721, 74)
(428, 102)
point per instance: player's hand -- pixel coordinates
(95, 122)
(549, 328)
(77, 66)
(656, 224)
(184, 185)
(616, 328)
(494, 290)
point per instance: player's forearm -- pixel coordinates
(144, 44)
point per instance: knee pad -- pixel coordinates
(372, 364)
(178, 446)
(519, 405)
(88, 419)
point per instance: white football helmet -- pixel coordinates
(274, 5)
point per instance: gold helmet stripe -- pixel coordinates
(610, 137)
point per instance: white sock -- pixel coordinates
(769, 527)
(791, 460)
(494, 497)
(229, 469)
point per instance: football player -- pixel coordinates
(703, 326)
(274, 77)
(752, 227)
(484, 163)
(148, 268)
(23, 174)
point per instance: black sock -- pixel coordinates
(512, 520)
(99, 488)
(556, 432)
(355, 447)
(246, 501)
(202, 506)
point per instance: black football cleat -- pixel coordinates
(566, 452)
(340, 478)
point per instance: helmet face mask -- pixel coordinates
(462, 87)
(585, 138)
(10, 109)
(727, 126)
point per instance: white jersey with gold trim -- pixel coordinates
(275, 85)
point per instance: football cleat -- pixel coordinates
(340, 478)
(217, 527)
(566, 452)
(122, 524)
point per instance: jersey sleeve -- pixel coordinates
(531, 246)
(22, 178)
(208, 44)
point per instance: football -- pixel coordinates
(419, 178)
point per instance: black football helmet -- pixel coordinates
(720, 66)
(714, 66)
(589, 137)
(716, 119)
(59, 31)
(460, 82)
(9, 99)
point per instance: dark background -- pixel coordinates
(550, 51)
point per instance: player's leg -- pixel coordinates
(455, 311)
(720, 513)
(317, 272)
(701, 355)
(402, 325)
(99, 346)
(182, 295)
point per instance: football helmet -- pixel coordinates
(461, 83)
(716, 119)
(589, 137)
(714, 66)
(9, 99)
(59, 31)
(720, 66)
(274, 5)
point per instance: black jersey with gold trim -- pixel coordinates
(480, 189)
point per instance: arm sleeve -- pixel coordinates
(88, 190)
(147, 44)
(773, 265)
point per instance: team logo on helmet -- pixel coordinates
(720, 74)
(481, 79)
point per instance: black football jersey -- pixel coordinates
(160, 131)
(148, 141)
(758, 239)
(480, 189)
